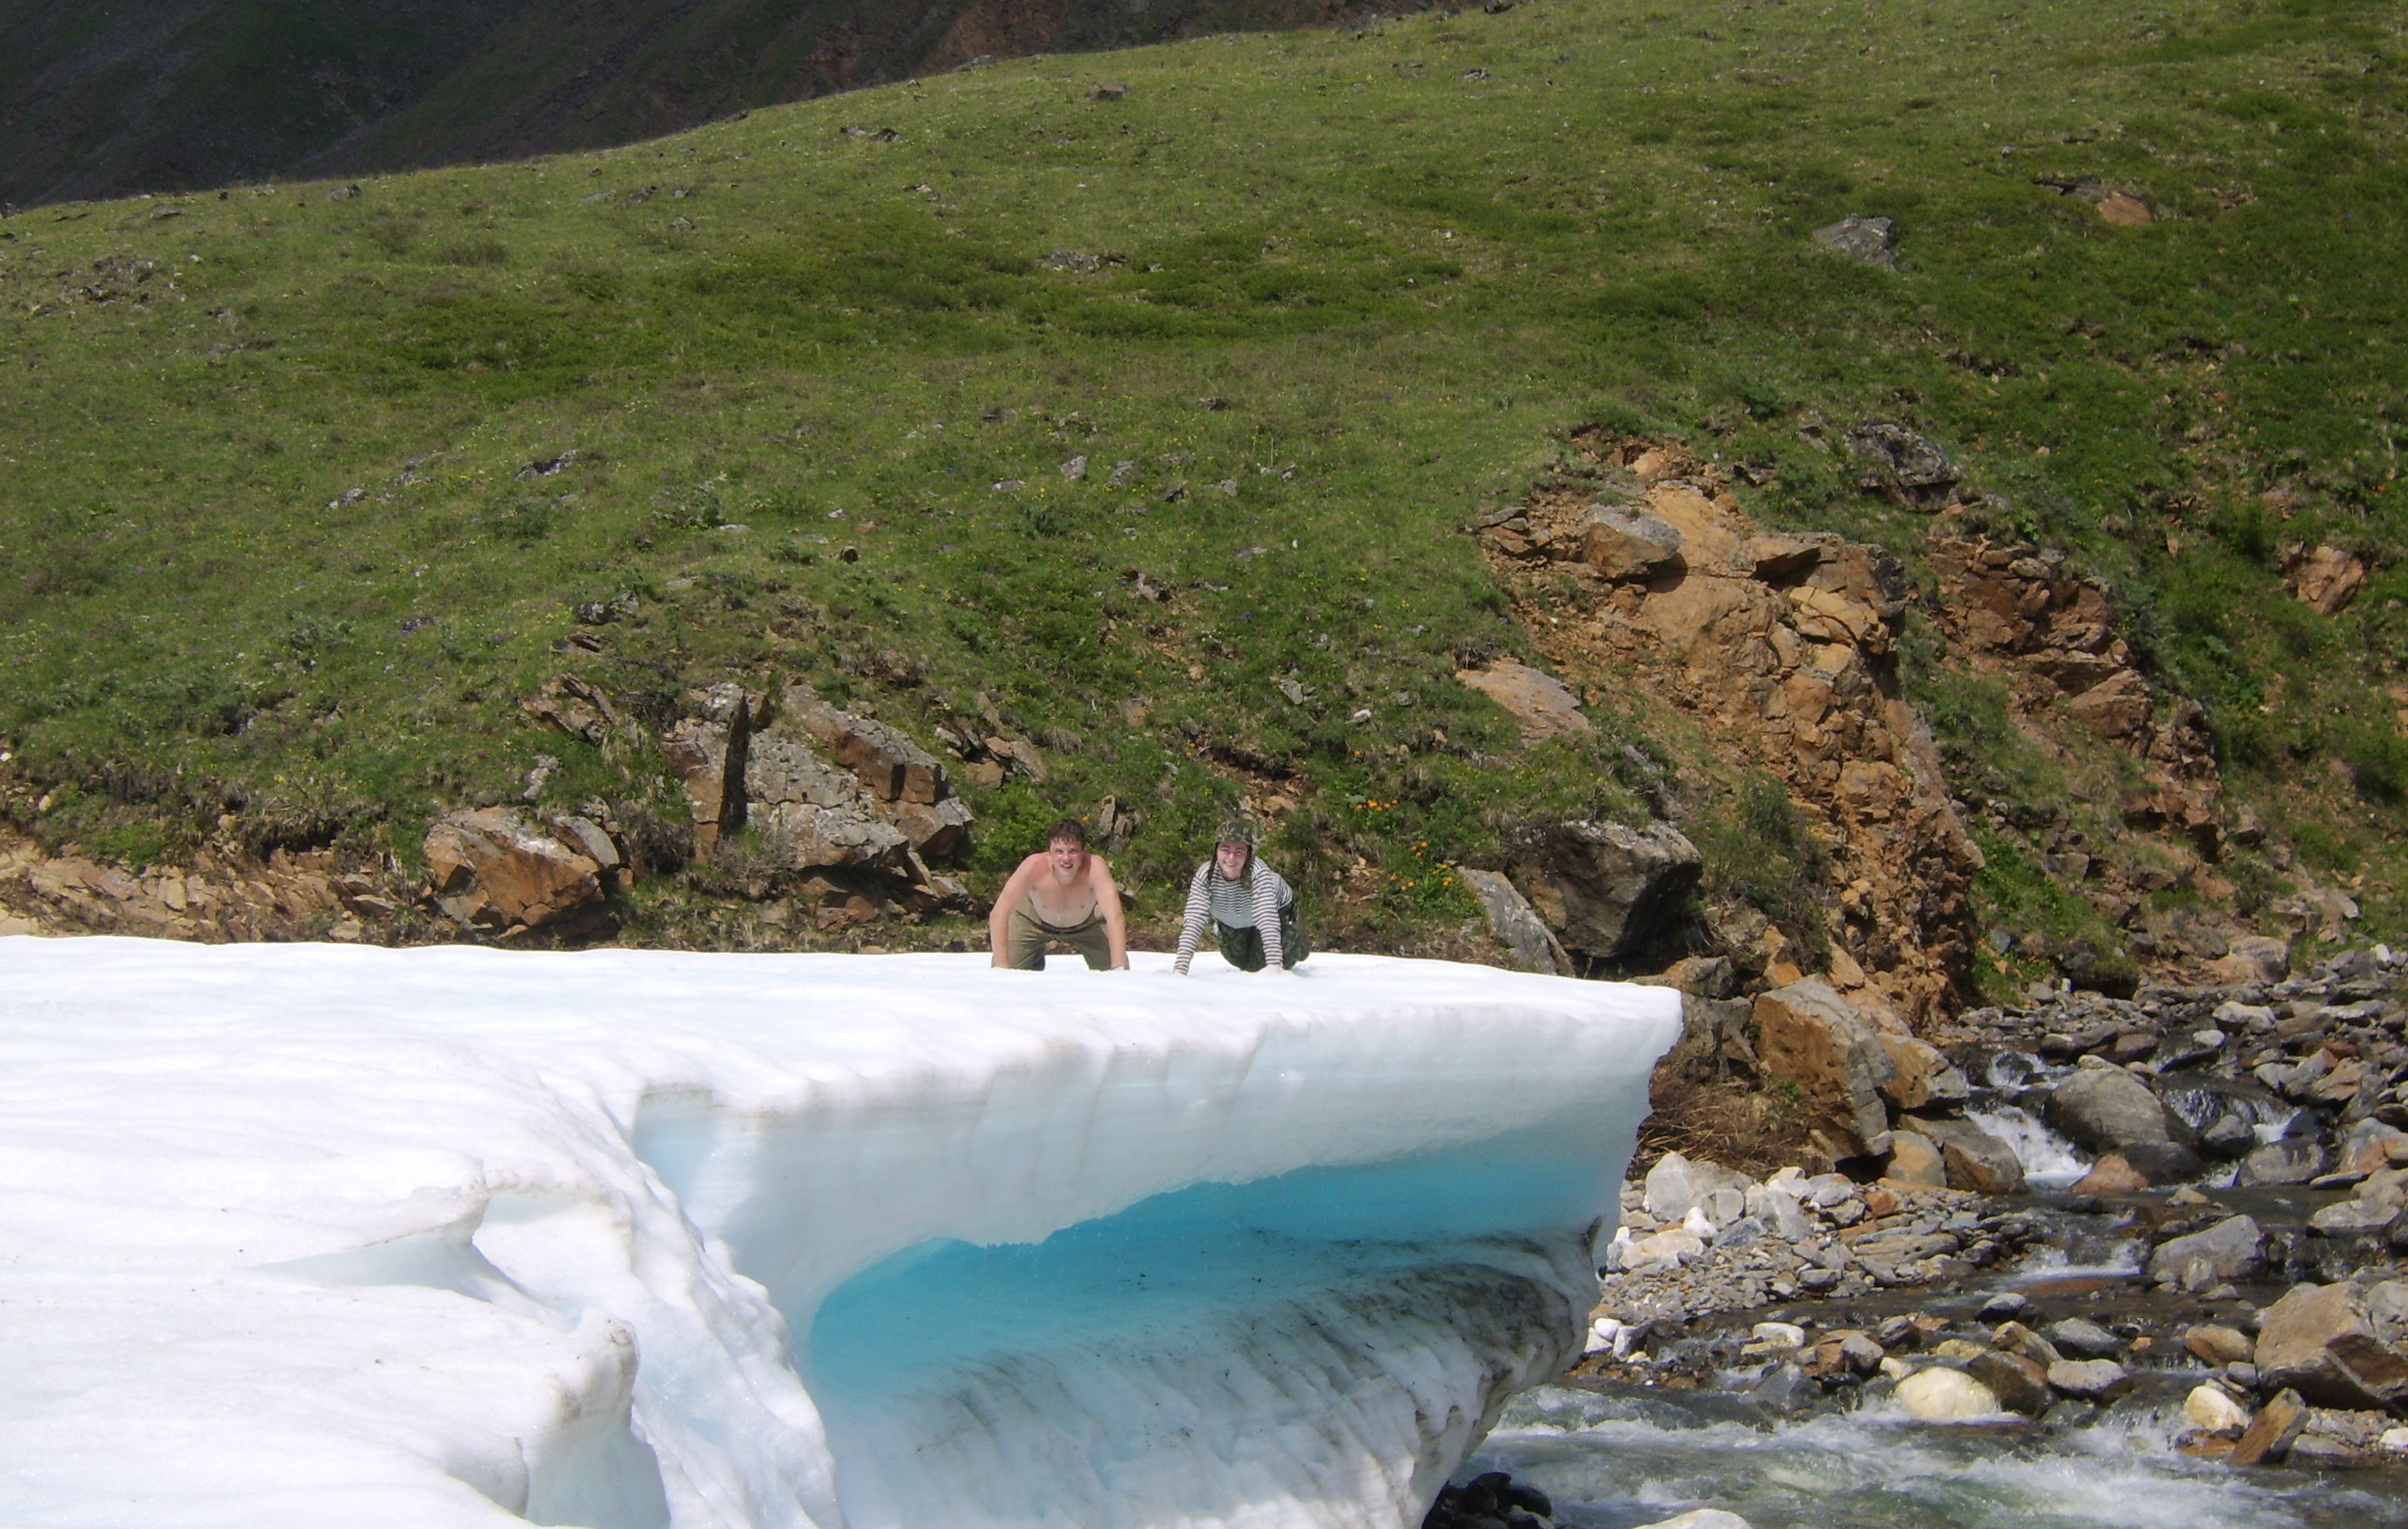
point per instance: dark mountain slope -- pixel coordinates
(106, 99)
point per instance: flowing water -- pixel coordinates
(1613, 1457)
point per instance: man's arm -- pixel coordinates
(1107, 898)
(1000, 917)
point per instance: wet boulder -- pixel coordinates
(2106, 1109)
(2233, 1248)
(1941, 1394)
(1807, 1033)
(1977, 1160)
(2339, 1344)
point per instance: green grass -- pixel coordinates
(271, 549)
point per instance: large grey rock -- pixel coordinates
(1630, 544)
(1515, 923)
(1807, 1033)
(1873, 241)
(801, 836)
(2293, 1159)
(2340, 1345)
(2231, 1249)
(2106, 1109)
(1607, 889)
(1908, 466)
(2089, 1380)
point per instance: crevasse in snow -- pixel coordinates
(311, 1235)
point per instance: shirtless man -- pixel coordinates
(1064, 894)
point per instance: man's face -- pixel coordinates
(1069, 856)
(1233, 857)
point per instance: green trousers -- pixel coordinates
(1244, 947)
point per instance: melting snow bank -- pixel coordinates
(307, 1235)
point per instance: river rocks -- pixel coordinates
(2106, 1108)
(2214, 1409)
(1941, 1394)
(1912, 1159)
(1515, 924)
(1699, 1517)
(2082, 1338)
(1975, 1159)
(2219, 1345)
(2233, 1248)
(2256, 958)
(2018, 1383)
(1807, 1033)
(1920, 1076)
(1606, 888)
(2272, 1432)
(498, 869)
(2339, 1344)
(2089, 1380)
(2112, 1175)
(1538, 701)
(2293, 1159)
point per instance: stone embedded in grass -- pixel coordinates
(1873, 241)
(1537, 702)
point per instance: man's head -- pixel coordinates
(1065, 846)
(1235, 847)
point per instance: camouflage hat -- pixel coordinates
(1237, 830)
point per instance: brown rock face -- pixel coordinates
(1538, 701)
(706, 752)
(2018, 1383)
(1806, 1032)
(2339, 1344)
(1783, 647)
(1621, 544)
(497, 867)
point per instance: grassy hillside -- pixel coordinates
(304, 492)
(173, 95)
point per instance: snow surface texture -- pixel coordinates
(316, 1234)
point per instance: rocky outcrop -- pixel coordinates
(1783, 646)
(1608, 889)
(704, 751)
(500, 871)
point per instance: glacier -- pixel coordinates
(301, 1234)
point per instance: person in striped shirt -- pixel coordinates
(1252, 907)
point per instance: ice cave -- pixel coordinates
(318, 1234)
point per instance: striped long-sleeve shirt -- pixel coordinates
(1253, 902)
